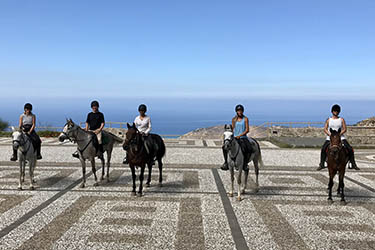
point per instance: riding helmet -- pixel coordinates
(239, 107)
(142, 107)
(28, 106)
(336, 108)
(94, 103)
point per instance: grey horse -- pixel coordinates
(22, 143)
(236, 160)
(87, 147)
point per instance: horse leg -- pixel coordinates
(160, 165)
(94, 170)
(141, 176)
(244, 185)
(239, 181)
(256, 169)
(83, 162)
(330, 185)
(31, 167)
(21, 179)
(231, 182)
(341, 185)
(132, 168)
(149, 166)
(23, 166)
(109, 156)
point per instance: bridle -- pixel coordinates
(22, 143)
(72, 130)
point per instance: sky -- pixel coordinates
(272, 49)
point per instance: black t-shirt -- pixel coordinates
(95, 120)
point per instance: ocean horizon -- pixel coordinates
(177, 116)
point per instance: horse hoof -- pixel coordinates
(32, 188)
(330, 201)
(133, 193)
(108, 180)
(343, 202)
(139, 195)
(230, 194)
(96, 184)
(82, 185)
(148, 185)
(34, 181)
(239, 198)
(19, 188)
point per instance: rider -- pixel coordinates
(143, 124)
(94, 123)
(27, 124)
(240, 124)
(335, 122)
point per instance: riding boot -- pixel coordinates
(225, 165)
(125, 161)
(323, 156)
(38, 155)
(75, 154)
(353, 164)
(14, 156)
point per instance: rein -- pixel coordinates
(76, 140)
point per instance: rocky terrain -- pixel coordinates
(216, 132)
(370, 122)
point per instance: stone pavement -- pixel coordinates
(191, 210)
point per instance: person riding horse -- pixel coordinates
(27, 124)
(240, 125)
(143, 124)
(335, 122)
(94, 123)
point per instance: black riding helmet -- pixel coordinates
(336, 108)
(239, 107)
(28, 106)
(94, 103)
(142, 107)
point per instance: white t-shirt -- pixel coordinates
(143, 125)
(335, 124)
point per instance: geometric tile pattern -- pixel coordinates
(290, 211)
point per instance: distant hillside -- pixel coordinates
(370, 122)
(216, 132)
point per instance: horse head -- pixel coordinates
(68, 130)
(132, 136)
(228, 138)
(17, 137)
(335, 143)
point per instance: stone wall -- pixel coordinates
(356, 135)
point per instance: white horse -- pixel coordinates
(237, 161)
(26, 152)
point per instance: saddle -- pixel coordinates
(246, 148)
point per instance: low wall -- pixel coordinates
(356, 135)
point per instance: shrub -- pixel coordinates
(3, 125)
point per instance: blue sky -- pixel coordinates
(289, 49)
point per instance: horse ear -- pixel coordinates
(231, 127)
(331, 130)
(13, 129)
(127, 124)
(133, 125)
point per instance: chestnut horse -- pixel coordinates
(337, 158)
(139, 155)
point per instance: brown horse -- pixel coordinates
(337, 158)
(139, 155)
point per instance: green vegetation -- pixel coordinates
(3, 125)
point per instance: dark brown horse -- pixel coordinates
(337, 158)
(139, 155)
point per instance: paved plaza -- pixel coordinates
(191, 210)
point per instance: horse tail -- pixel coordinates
(260, 159)
(162, 149)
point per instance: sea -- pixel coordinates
(177, 116)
